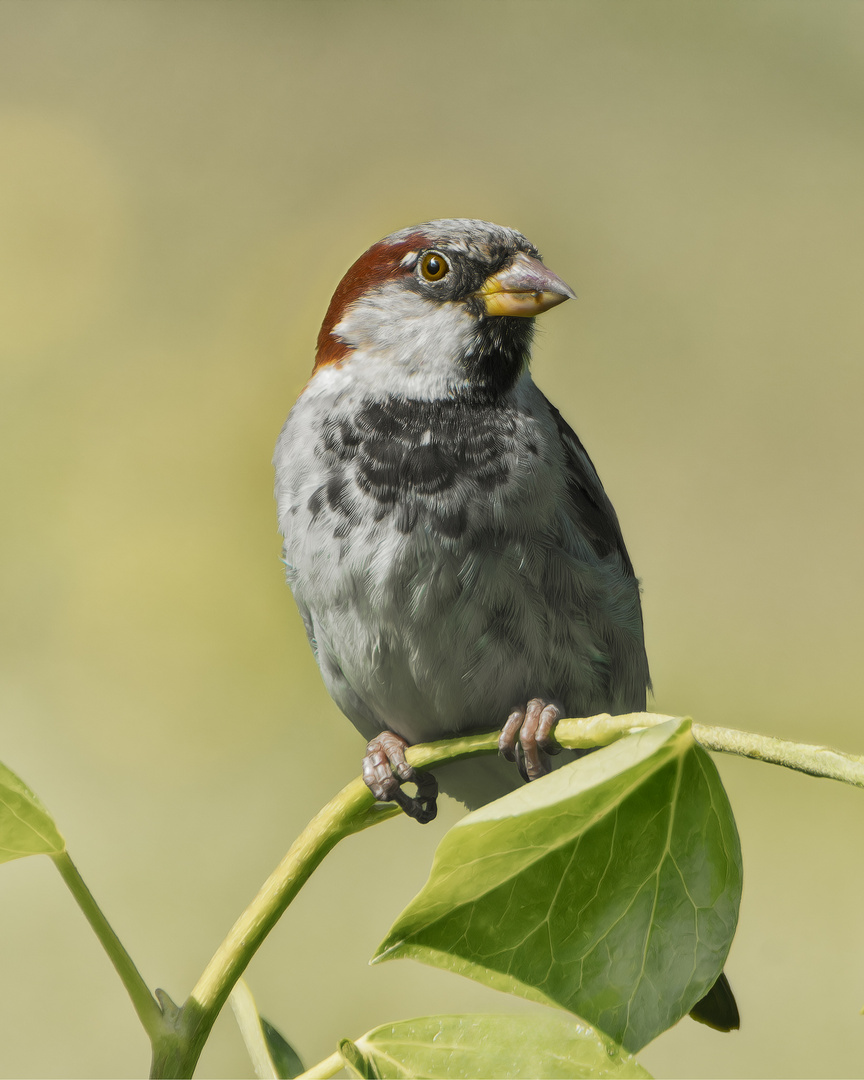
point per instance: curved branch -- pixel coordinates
(353, 809)
(802, 757)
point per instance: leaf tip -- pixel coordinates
(387, 950)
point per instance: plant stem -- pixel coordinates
(324, 1069)
(802, 757)
(353, 809)
(143, 1001)
(344, 814)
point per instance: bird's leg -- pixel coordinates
(385, 769)
(527, 737)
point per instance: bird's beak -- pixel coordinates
(524, 287)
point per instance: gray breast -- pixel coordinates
(440, 574)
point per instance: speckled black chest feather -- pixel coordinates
(414, 458)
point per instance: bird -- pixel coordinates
(454, 556)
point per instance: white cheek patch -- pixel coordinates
(406, 343)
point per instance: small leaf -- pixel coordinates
(456, 1047)
(610, 888)
(272, 1057)
(26, 827)
(356, 1061)
(282, 1053)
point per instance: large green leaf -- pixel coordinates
(456, 1047)
(26, 827)
(609, 887)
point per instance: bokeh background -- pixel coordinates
(182, 184)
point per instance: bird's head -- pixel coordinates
(440, 309)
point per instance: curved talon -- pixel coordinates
(424, 806)
(385, 769)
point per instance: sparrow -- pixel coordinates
(456, 561)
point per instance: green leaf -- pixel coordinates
(282, 1053)
(26, 827)
(453, 1047)
(357, 1062)
(610, 888)
(272, 1057)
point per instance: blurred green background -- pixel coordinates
(182, 186)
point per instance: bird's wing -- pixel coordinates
(590, 504)
(594, 517)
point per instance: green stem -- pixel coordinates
(324, 1069)
(802, 757)
(347, 812)
(145, 1004)
(353, 809)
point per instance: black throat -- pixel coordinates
(499, 354)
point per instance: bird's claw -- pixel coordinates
(385, 770)
(527, 737)
(384, 765)
(424, 806)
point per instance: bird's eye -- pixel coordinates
(433, 266)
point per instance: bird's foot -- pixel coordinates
(385, 770)
(527, 737)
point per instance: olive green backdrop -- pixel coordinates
(181, 187)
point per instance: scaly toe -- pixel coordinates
(508, 739)
(528, 736)
(385, 768)
(546, 730)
